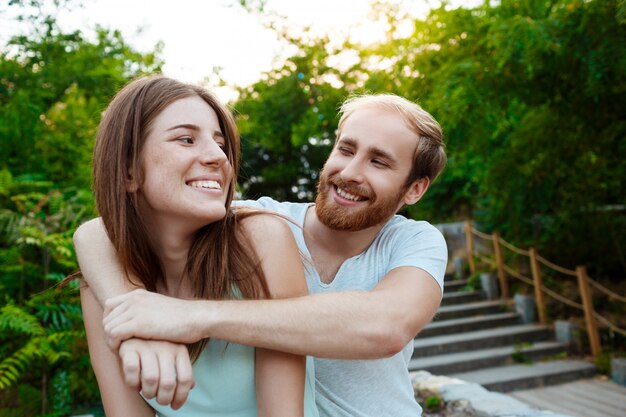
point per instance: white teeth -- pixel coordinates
(347, 195)
(206, 184)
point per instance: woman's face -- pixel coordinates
(186, 173)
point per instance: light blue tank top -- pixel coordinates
(225, 385)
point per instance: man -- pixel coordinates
(377, 278)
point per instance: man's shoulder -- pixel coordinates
(403, 225)
(283, 207)
(401, 231)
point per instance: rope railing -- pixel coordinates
(514, 248)
(606, 291)
(562, 299)
(517, 275)
(482, 235)
(486, 260)
(584, 282)
(555, 267)
(610, 325)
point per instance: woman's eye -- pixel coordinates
(188, 140)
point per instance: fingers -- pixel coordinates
(115, 334)
(131, 367)
(184, 378)
(167, 380)
(149, 375)
(158, 369)
(113, 302)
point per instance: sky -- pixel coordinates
(199, 35)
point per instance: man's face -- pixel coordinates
(363, 182)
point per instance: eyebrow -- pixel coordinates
(373, 151)
(185, 126)
(194, 127)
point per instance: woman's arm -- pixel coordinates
(117, 398)
(279, 376)
(104, 274)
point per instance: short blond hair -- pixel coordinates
(430, 155)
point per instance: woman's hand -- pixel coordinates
(158, 369)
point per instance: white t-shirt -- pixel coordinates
(369, 388)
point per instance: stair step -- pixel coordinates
(451, 286)
(468, 324)
(517, 377)
(480, 339)
(470, 309)
(459, 297)
(485, 358)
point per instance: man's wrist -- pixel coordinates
(206, 318)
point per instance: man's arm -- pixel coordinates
(98, 261)
(343, 325)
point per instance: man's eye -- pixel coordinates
(379, 163)
(345, 151)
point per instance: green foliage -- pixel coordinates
(519, 356)
(287, 122)
(473, 282)
(531, 95)
(53, 88)
(433, 403)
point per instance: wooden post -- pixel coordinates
(592, 329)
(469, 240)
(536, 270)
(497, 250)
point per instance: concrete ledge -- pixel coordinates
(483, 402)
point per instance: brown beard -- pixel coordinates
(351, 219)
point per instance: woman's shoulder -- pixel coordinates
(262, 224)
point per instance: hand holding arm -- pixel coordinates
(348, 325)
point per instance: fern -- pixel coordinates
(18, 320)
(11, 368)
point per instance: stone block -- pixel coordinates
(489, 284)
(525, 306)
(618, 370)
(459, 267)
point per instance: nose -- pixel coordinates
(352, 172)
(212, 154)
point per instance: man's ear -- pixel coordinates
(416, 190)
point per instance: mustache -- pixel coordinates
(348, 187)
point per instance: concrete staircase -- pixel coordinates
(482, 341)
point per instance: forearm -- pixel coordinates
(117, 398)
(346, 325)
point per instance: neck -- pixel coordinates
(172, 247)
(342, 243)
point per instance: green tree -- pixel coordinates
(531, 96)
(288, 122)
(53, 88)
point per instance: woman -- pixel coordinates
(165, 164)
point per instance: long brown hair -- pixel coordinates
(220, 260)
